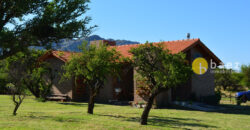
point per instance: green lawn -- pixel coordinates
(71, 116)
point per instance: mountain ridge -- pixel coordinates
(72, 45)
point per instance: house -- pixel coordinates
(124, 89)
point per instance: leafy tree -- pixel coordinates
(237, 85)
(160, 69)
(246, 75)
(3, 83)
(228, 79)
(93, 66)
(224, 78)
(39, 81)
(25, 23)
(26, 73)
(3, 79)
(15, 85)
(35, 76)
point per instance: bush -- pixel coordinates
(193, 97)
(212, 99)
(3, 89)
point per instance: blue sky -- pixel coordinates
(223, 25)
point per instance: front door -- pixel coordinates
(80, 90)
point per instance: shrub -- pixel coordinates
(3, 89)
(212, 99)
(193, 97)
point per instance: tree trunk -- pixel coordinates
(15, 110)
(91, 103)
(144, 117)
(230, 97)
(17, 102)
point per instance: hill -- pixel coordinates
(72, 45)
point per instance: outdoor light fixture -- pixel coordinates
(118, 90)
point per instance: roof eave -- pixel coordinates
(217, 60)
(50, 53)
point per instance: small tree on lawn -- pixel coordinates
(15, 86)
(93, 66)
(18, 94)
(24, 72)
(35, 76)
(160, 69)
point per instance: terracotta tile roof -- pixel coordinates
(62, 55)
(173, 46)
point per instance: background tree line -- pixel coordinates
(231, 80)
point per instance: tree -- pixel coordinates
(237, 84)
(228, 79)
(24, 72)
(25, 23)
(18, 94)
(15, 85)
(3, 79)
(39, 81)
(160, 69)
(246, 75)
(224, 78)
(35, 76)
(93, 66)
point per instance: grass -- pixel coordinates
(232, 101)
(58, 115)
(229, 98)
